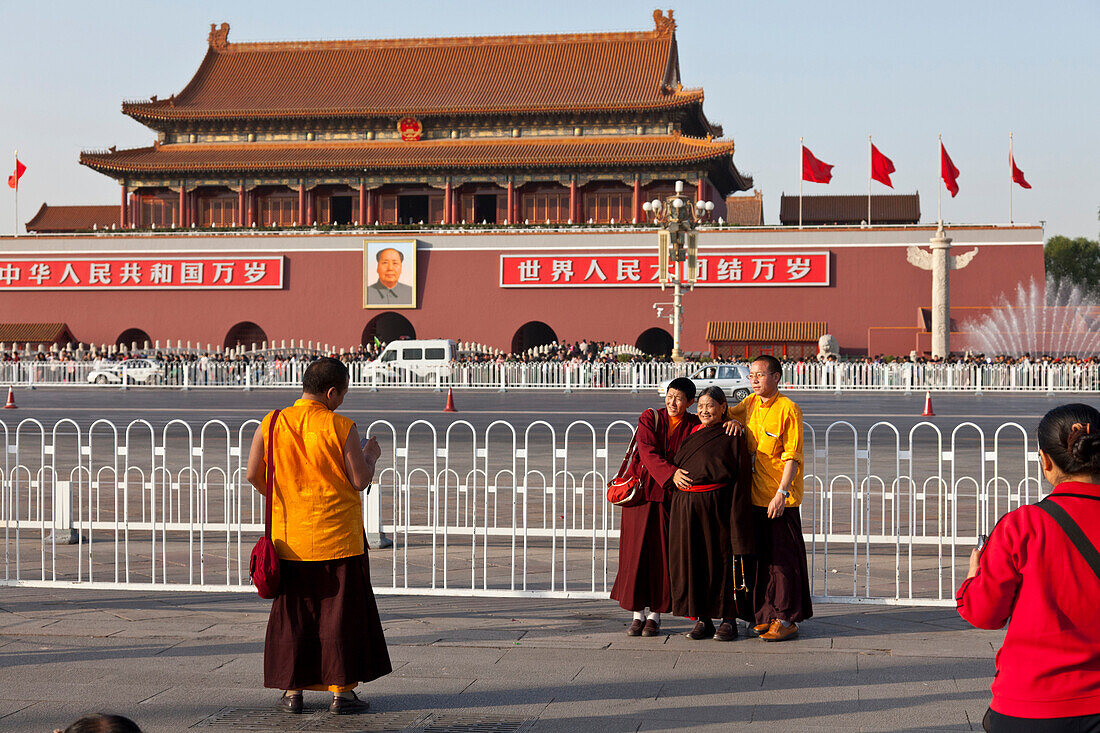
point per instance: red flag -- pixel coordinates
(813, 170)
(881, 167)
(13, 179)
(1017, 174)
(949, 172)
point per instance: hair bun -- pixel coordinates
(1087, 449)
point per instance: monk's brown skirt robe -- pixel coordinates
(707, 529)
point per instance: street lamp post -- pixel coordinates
(677, 250)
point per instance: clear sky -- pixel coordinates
(833, 72)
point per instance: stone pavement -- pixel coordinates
(193, 661)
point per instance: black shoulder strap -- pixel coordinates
(1074, 532)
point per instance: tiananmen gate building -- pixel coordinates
(503, 178)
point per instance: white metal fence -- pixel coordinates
(564, 376)
(889, 515)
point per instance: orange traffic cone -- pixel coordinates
(10, 404)
(450, 401)
(928, 405)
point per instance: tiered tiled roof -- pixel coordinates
(429, 76)
(357, 156)
(72, 218)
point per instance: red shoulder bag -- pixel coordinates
(625, 489)
(263, 567)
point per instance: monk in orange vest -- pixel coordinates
(324, 632)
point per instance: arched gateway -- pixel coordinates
(386, 327)
(246, 333)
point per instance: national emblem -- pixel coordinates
(410, 128)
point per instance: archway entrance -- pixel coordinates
(532, 334)
(247, 333)
(132, 336)
(387, 327)
(655, 342)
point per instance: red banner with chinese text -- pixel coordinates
(601, 271)
(142, 273)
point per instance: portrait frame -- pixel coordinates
(375, 294)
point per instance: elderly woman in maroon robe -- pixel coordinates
(710, 522)
(642, 581)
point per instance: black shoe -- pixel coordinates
(704, 629)
(635, 627)
(725, 631)
(290, 703)
(348, 705)
(651, 628)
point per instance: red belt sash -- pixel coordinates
(702, 488)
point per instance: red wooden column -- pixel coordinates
(181, 216)
(123, 210)
(301, 203)
(573, 215)
(240, 207)
(511, 202)
(370, 208)
(362, 203)
(447, 218)
(701, 190)
(309, 208)
(637, 207)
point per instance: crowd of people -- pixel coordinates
(584, 351)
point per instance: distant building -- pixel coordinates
(850, 210)
(745, 211)
(65, 219)
(542, 128)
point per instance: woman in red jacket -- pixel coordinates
(1030, 571)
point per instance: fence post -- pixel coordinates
(567, 375)
(122, 371)
(186, 375)
(501, 389)
(376, 538)
(978, 373)
(634, 379)
(63, 531)
(33, 372)
(908, 378)
(248, 378)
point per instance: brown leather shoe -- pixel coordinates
(725, 632)
(762, 628)
(703, 629)
(651, 628)
(635, 627)
(290, 703)
(779, 632)
(348, 705)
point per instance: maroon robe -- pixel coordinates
(642, 580)
(708, 528)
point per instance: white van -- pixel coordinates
(417, 359)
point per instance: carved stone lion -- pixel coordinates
(827, 346)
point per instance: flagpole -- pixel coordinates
(939, 189)
(15, 224)
(869, 166)
(800, 177)
(1010, 177)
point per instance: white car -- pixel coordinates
(138, 371)
(733, 379)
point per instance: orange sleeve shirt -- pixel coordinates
(317, 514)
(774, 432)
